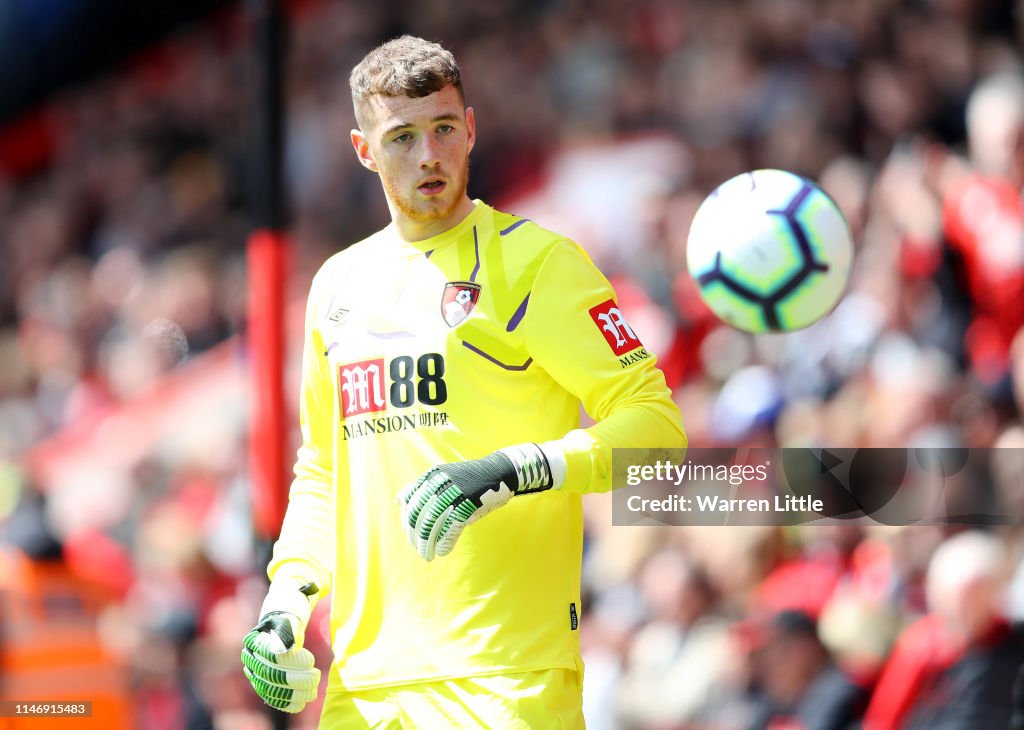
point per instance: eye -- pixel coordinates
(403, 137)
(445, 128)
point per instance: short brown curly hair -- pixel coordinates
(405, 66)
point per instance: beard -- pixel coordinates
(431, 208)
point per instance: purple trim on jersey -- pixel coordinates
(496, 361)
(390, 335)
(427, 254)
(514, 226)
(518, 316)
(476, 252)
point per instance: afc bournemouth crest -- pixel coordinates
(458, 300)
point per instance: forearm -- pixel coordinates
(305, 548)
(304, 552)
(640, 425)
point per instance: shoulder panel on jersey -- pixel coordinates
(348, 255)
(335, 274)
(511, 252)
(508, 223)
(355, 256)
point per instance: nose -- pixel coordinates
(429, 152)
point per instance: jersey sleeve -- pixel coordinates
(575, 331)
(307, 536)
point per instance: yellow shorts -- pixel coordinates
(531, 701)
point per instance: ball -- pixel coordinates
(770, 252)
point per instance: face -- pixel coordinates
(420, 148)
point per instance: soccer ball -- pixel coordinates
(770, 252)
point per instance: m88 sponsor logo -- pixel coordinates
(370, 386)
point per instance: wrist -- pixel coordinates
(538, 468)
(554, 452)
(582, 456)
(291, 597)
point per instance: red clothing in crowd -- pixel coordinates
(984, 222)
(922, 652)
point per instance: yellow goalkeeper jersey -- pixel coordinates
(487, 335)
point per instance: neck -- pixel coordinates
(412, 229)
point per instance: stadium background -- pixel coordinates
(123, 410)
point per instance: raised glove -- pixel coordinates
(273, 658)
(437, 507)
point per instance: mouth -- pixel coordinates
(432, 186)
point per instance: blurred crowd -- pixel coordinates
(123, 265)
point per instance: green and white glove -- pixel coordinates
(437, 507)
(278, 667)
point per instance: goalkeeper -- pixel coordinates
(437, 491)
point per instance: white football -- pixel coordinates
(770, 252)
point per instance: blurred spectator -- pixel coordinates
(807, 580)
(859, 631)
(50, 649)
(984, 221)
(956, 666)
(679, 659)
(799, 686)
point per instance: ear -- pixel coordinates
(362, 148)
(470, 128)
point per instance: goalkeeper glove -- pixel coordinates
(278, 667)
(437, 507)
